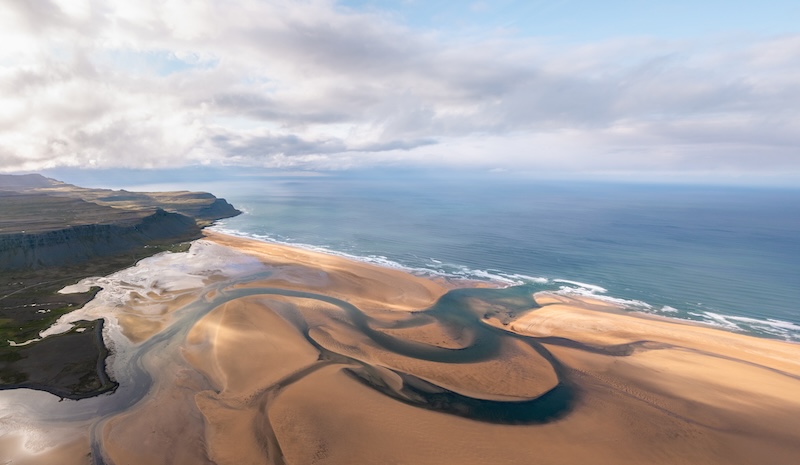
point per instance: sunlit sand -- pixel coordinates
(301, 357)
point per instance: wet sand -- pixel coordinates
(369, 287)
(319, 359)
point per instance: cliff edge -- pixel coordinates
(53, 234)
(80, 243)
(48, 223)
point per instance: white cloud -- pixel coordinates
(311, 85)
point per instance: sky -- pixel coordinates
(629, 89)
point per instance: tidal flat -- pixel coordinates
(241, 351)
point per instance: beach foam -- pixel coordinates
(596, 292)
(438, 268)
(776, 328)
(435, 268)
(660, 402)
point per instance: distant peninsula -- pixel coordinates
(53, 234)
(47, 223)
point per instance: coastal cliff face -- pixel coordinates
(53, 234)
(201, 206)
(47, 223)
(218, 209)
(80, 243)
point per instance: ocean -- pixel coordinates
(725, 256)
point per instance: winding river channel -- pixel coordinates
(134, 366)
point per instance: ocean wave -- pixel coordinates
(528, 279)
(776, 328)
(599, 293)
(493, 276)
(591, 287)
(769, 327)
(437, 268)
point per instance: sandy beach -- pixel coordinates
(315, 358)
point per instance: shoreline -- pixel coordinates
(661, 372)
(257, 352)
(600, 307)
(502, 281)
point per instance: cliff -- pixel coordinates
(53, 234)
(47, 223)
(76, 244)
(16, 182)
(202, 206)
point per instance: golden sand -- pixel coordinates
(265, 379)
(688, 395)
(70, 452)
(432, 333)
(147, 316)
(366, 286)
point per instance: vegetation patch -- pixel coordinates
(70, 365)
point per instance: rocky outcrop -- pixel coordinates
(218, 209)
(80, 243)
(201, 206)
(18, 182)
(48, 223)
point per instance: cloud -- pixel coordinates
(312, 85)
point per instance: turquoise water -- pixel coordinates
(722, 255)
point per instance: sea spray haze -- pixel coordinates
(728, 256)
